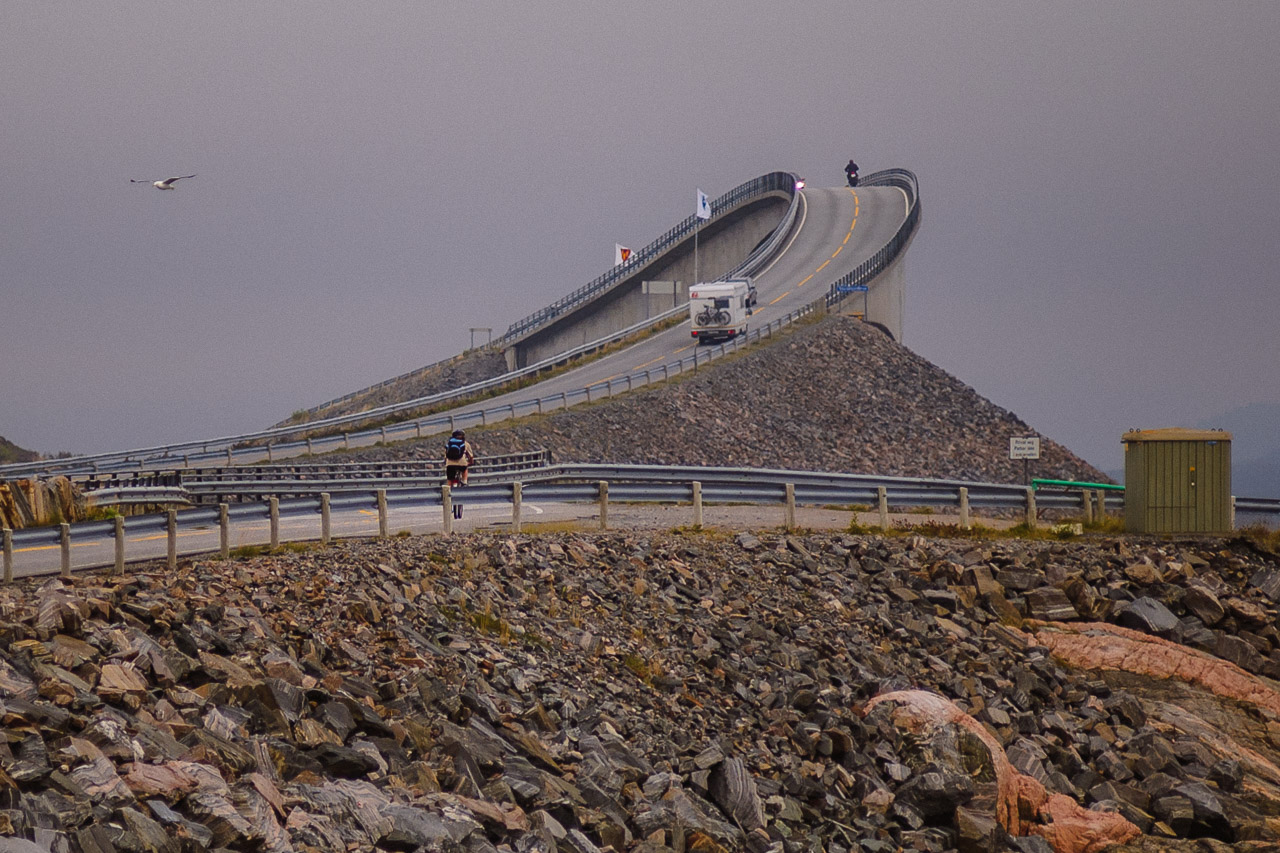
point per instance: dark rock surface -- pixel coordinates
(835, 395)
(638, 691)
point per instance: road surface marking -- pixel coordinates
(785, 293)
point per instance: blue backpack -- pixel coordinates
(455, 448)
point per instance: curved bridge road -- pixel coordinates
(836, 230)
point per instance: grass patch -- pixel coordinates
(246, 552)
(541, 527)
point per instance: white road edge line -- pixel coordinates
(804, 214)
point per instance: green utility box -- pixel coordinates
(1177, 481)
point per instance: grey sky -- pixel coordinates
(1099, 182)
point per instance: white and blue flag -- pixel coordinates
(704, 206)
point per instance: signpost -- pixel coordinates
(855, 288)
(1025, 448)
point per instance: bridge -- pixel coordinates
(808, 250)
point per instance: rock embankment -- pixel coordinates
(462, 370)
(836, 395)
(654, 692)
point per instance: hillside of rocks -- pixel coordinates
(11, 453)
(835, 395)
(651, 691)
(457, 372)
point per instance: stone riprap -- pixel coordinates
(651, 691)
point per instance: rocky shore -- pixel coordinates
(835, 395)
(652, 691)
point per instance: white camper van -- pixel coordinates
(718, 310)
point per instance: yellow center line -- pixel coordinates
(784, 294)
(838, 251)
(806, 278)
(824, 266)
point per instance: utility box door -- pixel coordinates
(1177, 481)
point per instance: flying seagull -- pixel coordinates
(166, 184)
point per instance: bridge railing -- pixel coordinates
(862, 274)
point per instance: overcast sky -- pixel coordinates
(1099, 247)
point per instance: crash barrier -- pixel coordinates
(598, 484)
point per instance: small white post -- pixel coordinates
(64, 541)
(604, 504)
(119, 537)
(882, 499)
(516, 492)
(224, 532)
(382, 513)
(964, 508)
(326, 518)
(7, 536)
(789, 516)
(171, 534)
(446, 503)
(697, 505)
(273, 510)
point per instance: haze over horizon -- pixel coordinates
(1097, 251)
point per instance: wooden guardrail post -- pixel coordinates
(270, 456)
(446, 503)
(228, 455)
(7, 536)
(1086, 505)
(964, 508)
(789, 513)
(697, 505)
(604, 504)
(517, 491)
(64, 541)
(273, 512)
(224, 532)
(882, 501)
(326, 518)
(171, 537)
(308, 445)
(1030, 518)
(1102, 504)
(382, 513)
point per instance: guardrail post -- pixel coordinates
(171, 535)
(789, 513)
(382, 513)
(483, 419)
(882, 502)
(539, 401)
(308, 445)
(964, 508)
(1031, 507)
(383, 433)
(186, 460)
(273, 512)
(7, 536)
(517, 490)
(697, 505)
(64, 541)
(1231, 522)
(224, 532)
(228, 455)
(446, 503)
(604, 504)
(1102, 504)
(417, 429)
(326, 518)
(1086, 505)
(564, 400)
(346, 441)
(270, 454)
(588, 390)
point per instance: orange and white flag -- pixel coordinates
(621, 254)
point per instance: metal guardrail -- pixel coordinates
(583, 482)
(880, 261)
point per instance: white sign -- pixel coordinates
(1024, 448)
